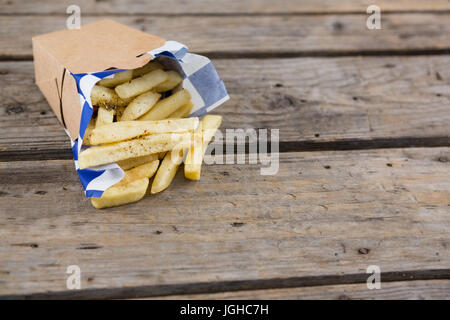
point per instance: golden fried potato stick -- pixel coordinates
(107, 98)
(118, 195)
(149, 67)
(210, 124)
(146, 170)
(167, 106)
(118, 78)
(113, 152)
(141, 84)
(87, 133)
(104, 117)
(135, 162)
(140, 105)
(167, 170)
(194, 159)
(182, 112)
(124, 130)
(173, 80)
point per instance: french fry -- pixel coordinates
(182, 112)
(173, 80)
(167, 170)
(146, 170)
(140, 105)
(167, 106)
(210, 125)
(202, 136)
(141, 84)
(146, 145)
(149, 67)
(87, 133)
(118, 195)
(124, 130)
(194, 158)
(104, 116)
(135, 162)
(118, 78)
(107, 98)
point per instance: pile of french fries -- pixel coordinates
(140, 123)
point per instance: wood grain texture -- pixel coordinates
(316, 225)
(256, 35)
(311, 101)
(401, 290)
(213, 7)
(325, 213)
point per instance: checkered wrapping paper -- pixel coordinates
(200, 79)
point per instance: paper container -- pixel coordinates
(68, 63)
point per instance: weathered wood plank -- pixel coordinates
(401, 290)
(257, 35)
(325, 213)
(311, 100)
(213, 7)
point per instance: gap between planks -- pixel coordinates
(225, 14)
(289, 54)
(233, 286)
(396, 290)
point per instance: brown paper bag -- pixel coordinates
(94, 47)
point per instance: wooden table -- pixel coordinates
(364, 174)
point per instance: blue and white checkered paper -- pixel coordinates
(200, 79)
